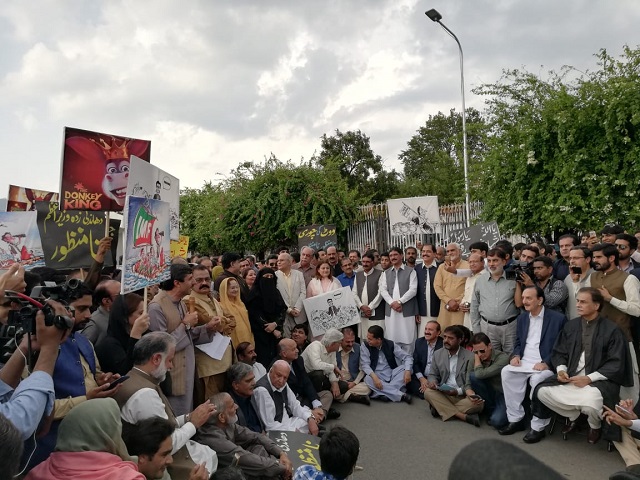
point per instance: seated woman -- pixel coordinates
(235, 311)
(89, 446)
(300, 335)
(267, 311)
(323, 282)
(127, 324)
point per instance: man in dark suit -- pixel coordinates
(422, 355)
(428, 301)
(537, 327)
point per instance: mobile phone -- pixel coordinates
(475, 397)
(592, 233)
(445, 388)
(447, 258)
(577, 270)
(117, 382)
(619, 407)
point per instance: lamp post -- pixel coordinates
(435, 16)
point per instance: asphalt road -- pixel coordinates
(400, 441)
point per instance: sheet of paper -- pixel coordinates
(216, 347)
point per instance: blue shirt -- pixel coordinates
(346, 281)
(25, 406)
(309, 472)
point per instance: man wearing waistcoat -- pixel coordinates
(367, 295)
(169, 313)
(76, 376)
(387, 367)
(348, 362)
(428, 301)
(141, 397)
(211, 372)
(278, 407)
(398, 287)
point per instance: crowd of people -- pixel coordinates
(518, 334)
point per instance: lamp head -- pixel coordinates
(433, 14)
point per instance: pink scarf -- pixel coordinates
(85, 466)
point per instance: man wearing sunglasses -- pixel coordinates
(627, 246)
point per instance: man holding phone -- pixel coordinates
(579, 272)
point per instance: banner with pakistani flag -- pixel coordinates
(147, 245)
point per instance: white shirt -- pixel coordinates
(316, 357)
(267, 411)
(146, 403)
(365, 295)
(532, 346)
(408, 295)
(258, 370)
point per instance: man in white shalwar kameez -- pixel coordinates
(398, 287)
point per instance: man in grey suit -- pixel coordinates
(447, 381)
(293, 290)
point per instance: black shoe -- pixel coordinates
(512, 428)
(472, 419)
(363, 399)
(624, 476)
(333, 414)
(382, 399)
(434, 412)
(570, 427)
(534, 437)
(406, 398)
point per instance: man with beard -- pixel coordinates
(257, 455)
(210, 371)
(627, 246)
(621, 291)
(592, 361)
(555, 291)
(450, 288)
(447, 381)
(141, 398)
(495, 302)
(169, 313)
(410, 256)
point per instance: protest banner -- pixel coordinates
(334, 309)
(301, 448)
(180, 248)
(20, 241)
(414, 215)
(483, 232)
(148, 181)
(70, 239)
(318, 237)
(95, 169)
(22, 199)
(146, 247)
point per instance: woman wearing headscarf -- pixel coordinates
(236, 312)
(89, 446)
(127, 324)
(266, 314)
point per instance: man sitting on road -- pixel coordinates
(447, 381)
(348, 363)
(423, 356)
(320, 363)
(387, 374)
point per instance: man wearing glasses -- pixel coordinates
(626, 245)
(620, 290)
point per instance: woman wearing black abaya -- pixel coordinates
(266, 315)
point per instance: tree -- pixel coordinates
(563, 151)
(433, 162)
(267, 202)
(351, 154)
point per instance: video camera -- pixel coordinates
(515, 271)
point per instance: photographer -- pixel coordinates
(76, 375)
(34, 396)
(555, 291)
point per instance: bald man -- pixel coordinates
(103, 297)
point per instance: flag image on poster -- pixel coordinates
(148, 181)
(20, 240)
(414, 215)
(23, 199)
(147, 245)
(95, 169)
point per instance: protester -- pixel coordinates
(234, 309)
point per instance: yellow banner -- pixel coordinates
(180, 248)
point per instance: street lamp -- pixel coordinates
(435, 16)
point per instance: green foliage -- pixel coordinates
(563, 151)
(351, 154)
(261, 205)
(433, 161)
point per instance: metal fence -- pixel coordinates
(371, 228)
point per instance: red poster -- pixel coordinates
(95, 169)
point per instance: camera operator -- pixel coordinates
(34, 396)
(555, 291)
(76, 376)
(12, 279)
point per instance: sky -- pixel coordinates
(216, 83)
